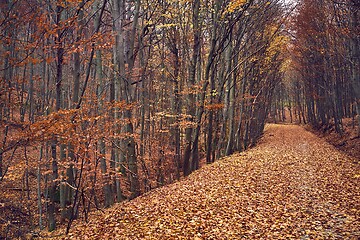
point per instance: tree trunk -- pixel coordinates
(355, 56)
(58, 81)
(191, 101)
(231, 88)
(123, 92)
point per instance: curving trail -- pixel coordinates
(293, 185)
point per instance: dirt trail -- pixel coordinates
(293, 185)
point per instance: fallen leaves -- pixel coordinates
(292, 185)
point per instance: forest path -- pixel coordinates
(292, 185)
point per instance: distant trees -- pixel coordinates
(111, 98)
(327, 60)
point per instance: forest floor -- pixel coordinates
(292, 185)
(348, 142)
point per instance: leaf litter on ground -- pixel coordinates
(292, 185)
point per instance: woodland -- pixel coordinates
(109, 107)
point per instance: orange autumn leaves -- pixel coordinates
(304, 188)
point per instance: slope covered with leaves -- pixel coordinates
(292, 185)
